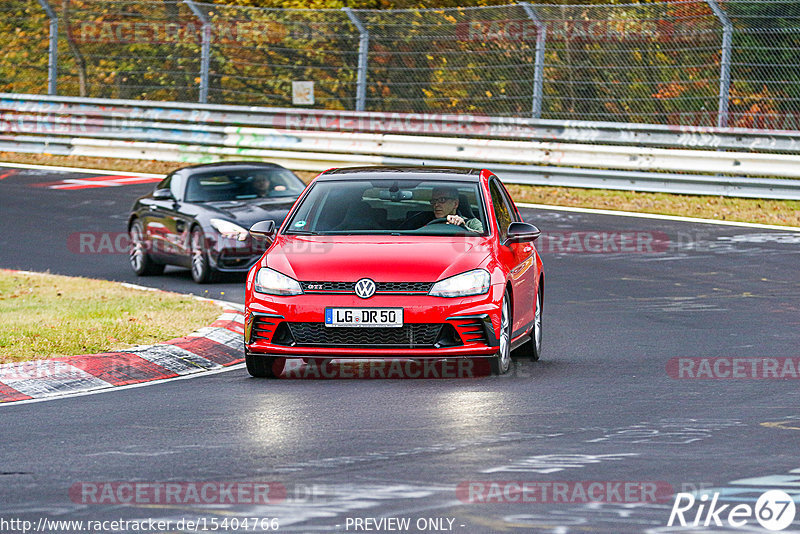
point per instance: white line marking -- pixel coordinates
(82, 170)
(657, 216)
(70, 182)
(140, 288)
(111, 388)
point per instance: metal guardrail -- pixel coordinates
(609, 155)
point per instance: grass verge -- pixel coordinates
(45, 316)
(779, 212)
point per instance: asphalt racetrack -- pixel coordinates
(670, 365)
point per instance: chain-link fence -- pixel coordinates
(24, 31)
(700, 62)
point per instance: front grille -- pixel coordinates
(327, 287)
(411, 288)
(403, 287)
(411, 335)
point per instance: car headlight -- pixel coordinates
(229, 229)
(462, 285)
(272, 282)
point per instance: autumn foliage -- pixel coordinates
(649, 61)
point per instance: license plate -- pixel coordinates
(385, 317)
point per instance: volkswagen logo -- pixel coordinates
(365, 288)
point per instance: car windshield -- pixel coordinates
(242, 184)
(390, 207)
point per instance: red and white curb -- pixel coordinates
(211, 348)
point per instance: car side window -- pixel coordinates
(501, 210)
(515, 217)
(165, 183)
(173, 184)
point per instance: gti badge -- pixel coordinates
(365, 288)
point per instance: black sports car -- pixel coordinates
(198, 217)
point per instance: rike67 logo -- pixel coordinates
(774, 510)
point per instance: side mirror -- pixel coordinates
(265, 229)
(521, 232)
(163, 194)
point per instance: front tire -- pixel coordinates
(141, 262)
(202, 272)
(264, 366)
(533, 347)
(501, 363)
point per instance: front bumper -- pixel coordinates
(232, 256)
(434, 327)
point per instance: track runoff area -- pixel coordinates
(665, 400)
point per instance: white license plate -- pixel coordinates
(386, 317)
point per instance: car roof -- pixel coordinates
(229, 166)
(402, 173)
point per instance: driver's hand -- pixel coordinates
(455, 219)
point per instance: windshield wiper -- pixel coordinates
(301, 232)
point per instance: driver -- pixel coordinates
(445, 203)
(265, 187)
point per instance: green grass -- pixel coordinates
(44, 316)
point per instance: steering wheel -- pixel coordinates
(440, 220)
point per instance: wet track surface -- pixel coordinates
(601, 406)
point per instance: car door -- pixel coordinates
(518, 257)
(179, 218)
(166, 226)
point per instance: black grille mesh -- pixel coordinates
(412, 335)
(406, 287)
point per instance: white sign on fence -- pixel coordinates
(303, 93)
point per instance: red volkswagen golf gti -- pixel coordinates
(410, 263)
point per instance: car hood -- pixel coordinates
(245, 213)
(384, 259)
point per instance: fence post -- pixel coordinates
(205, 54)
(52, 61)
(725, 63)
(538, 68)
(363, 48)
